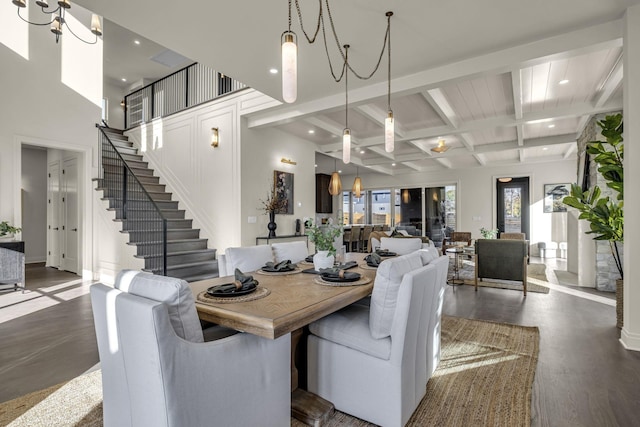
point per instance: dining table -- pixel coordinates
(293, 301)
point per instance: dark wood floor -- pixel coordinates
(584, 376)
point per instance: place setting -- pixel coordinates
(281, 268)
(373, 260)
(340, 277)
(243, 288)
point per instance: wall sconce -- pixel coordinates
(288, 161)
(505, 179)
(214, 137)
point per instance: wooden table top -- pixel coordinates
(295, 301)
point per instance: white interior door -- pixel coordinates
(54, 226)
(71, 221)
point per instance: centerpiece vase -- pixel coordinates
(322, 259)
(272, 224)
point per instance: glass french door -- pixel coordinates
(513, 206)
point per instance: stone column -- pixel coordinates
(630, 336)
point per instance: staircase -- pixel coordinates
(187, 255)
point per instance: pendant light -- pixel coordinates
(441, 148)
(335, 184)
(288, 41)
(389, 133)
(346, 136)
(357, 185)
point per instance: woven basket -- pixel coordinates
(619, 303)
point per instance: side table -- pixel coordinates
(458, 253)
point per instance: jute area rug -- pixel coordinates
(536, 278)
(484, 378)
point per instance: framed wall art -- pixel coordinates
(283, 187)
(553, 195)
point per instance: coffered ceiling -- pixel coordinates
(488, 77)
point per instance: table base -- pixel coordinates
(311, 409)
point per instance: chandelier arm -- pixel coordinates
(384, 44)
(311, 40)
(34, 23)
(44, 10)
(326, 49)
(78, 37)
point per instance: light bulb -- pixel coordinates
(389, 134)
(289, 68)
(346, 146)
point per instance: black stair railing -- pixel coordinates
(133, 205)
(183, 89)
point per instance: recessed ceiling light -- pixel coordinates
(563, 82)
(123, 79)
(361, 151)
(136, 42)
(551, 126)
(273, 71)
(393, 164)
(316, 166)
(339, 171)
(545, 148)
(311, 131)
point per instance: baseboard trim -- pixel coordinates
(630, 341)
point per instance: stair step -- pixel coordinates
(117, 185)
(191, 269)
(136, 195)
(182, 257)
(133, 164)
(143, 204)
(172, 234)
(113, 176)
(117, 168)
(141, 214)
(113, 131)
(179, 245)
(141, 224)
(119, 142)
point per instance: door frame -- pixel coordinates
(87, 158)
(494, 193)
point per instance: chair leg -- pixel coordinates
(475, 281)
(524, 276)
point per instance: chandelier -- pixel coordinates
(441, 147)
(57, 19)
(288, 40)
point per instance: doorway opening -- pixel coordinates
(513, 205)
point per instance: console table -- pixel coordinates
(13, 245)
(291, 236)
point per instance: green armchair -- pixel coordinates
(501, 259)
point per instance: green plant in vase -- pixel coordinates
(324, 236)
(489, 234)
(6, 229)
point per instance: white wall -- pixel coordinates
(477, 198)
(262, 151)
(114, 95)
(38, 109)
(34, 203)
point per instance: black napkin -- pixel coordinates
(309, 258)
(285, 265)
(243, 282)
(347, 265)
(336, 274)
(385, 252)
(373, 260)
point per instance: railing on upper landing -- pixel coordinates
(186, 88)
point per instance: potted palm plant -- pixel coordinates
(605, 214)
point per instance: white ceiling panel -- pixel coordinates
(493, 135)
(411, 112)
(481, 98)
(549, 151)
(550, 127)
(361, 126)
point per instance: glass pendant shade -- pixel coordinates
(56, 28)
(41, 3)
(357, 187)
(346, 146)
(96, 27)
(335, 184)
(389, 134)
(289, 68)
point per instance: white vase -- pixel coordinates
(322, 260)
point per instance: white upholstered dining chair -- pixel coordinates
(292, 251)
(157, 371)
(372, 361)
(245, 258)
